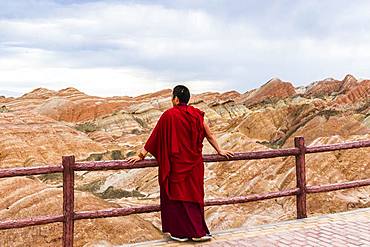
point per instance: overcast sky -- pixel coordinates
(111, 48)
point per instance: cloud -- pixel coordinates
(133, 48)
(105, 81)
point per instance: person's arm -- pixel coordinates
(140, 156)
(212, 140)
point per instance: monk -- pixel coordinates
(176, 142)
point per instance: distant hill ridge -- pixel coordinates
(41, 126)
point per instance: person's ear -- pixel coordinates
(177, 100)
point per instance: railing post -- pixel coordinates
(68, 200)
(300, 164)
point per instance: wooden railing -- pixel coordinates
(69, 166)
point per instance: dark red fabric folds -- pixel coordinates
(182, 219)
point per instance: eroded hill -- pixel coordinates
(41, 126)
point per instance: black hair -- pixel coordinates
(182, 93)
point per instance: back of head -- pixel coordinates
(182, 93)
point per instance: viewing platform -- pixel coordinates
(344, 229)
(351, 228)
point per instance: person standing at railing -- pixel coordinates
(176, 142)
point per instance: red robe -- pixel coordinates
(176, 142)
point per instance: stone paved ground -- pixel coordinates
(342, 229)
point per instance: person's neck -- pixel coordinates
(182, 104)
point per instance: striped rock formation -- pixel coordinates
(41, 126)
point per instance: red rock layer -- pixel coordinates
(273, 90)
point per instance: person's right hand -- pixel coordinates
(134, 159)
(227, 154)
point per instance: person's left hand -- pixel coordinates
(133, 159)
(226, 153)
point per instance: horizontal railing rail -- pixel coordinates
(69, 166)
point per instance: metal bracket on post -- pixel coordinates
(68, 200)
(300, 163)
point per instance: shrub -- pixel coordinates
(87, 127)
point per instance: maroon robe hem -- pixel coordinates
(182, 219)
